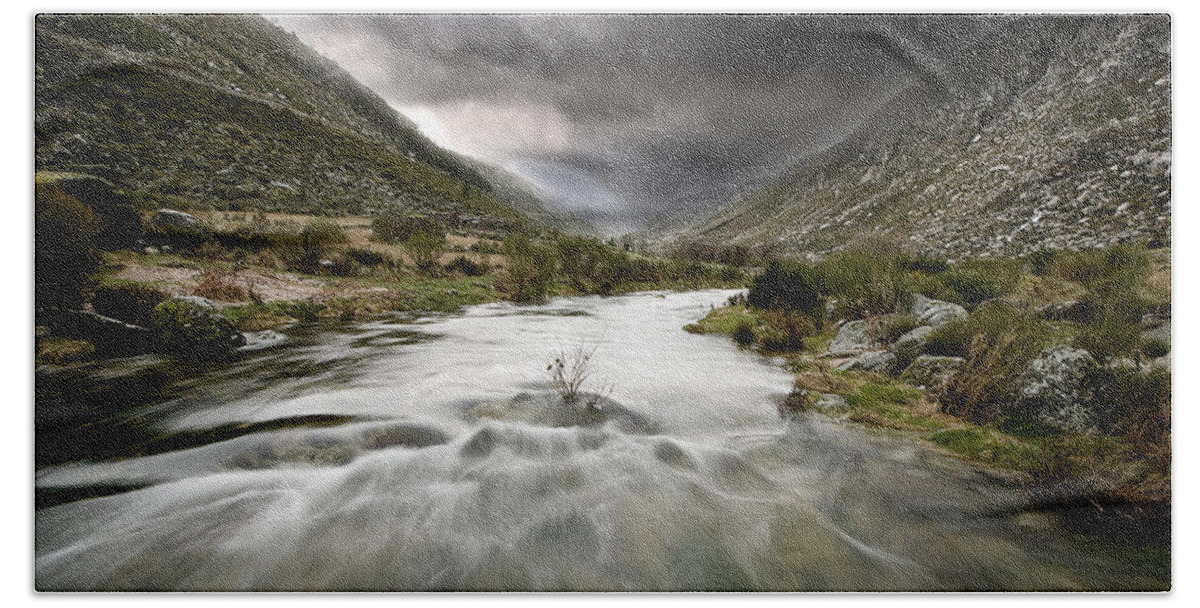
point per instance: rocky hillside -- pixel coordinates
(231, 112)
(1062, 141)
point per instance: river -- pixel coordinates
(432, 454)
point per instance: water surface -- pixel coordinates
(433, 455)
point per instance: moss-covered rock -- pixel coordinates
(190, 327)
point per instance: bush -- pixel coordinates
(465, 267)
(862, 284)
(222, 286)
(317, 239)
(785, 330)
(399, 228)
(743, 334)
(369, 258)
(589, 265)
(64, 249)
(128, 301)
(1131, 403)
(190, 328)
(424, 249)
(530, 269)
(998, 341)
(785, 285)
(969, 288)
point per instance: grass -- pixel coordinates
(725, 321)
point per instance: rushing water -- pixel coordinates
(432, 455)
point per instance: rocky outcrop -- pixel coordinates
(931, 372)
(190, 327)
(170, 218)
(852, 339)
(1053, 389)
(112, 337)
(1059, 138)
(878, 361)
(935, 312)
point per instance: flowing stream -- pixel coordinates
(432, 454)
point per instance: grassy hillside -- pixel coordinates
(230, 112)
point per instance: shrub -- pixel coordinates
(466, 267)
(424, 249)
(998, 342)
(785, 330)
(128, 301)
(400, 228)
(743, 334)
(969, 288)
(369, 258)
(192, 329)
(1131, 403)
(529, 269)
(569, 371)
(785, 285)
(317, 239)
(589, 265)
(862, 284)
(64, 249)
(222, 286)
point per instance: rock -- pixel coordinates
(150, 251)
(931, 372)
(935, 312)
(1064, 311)
(879, 361)
(831, 403)
(1160, 332)
(112, 337)
(170, 218)
(120, 224)
(913, 341)
(1053, 389)
(191, 327)
(851, 340)
(262, 340)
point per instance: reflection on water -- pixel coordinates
(433, 455)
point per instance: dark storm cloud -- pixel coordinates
(644, 112)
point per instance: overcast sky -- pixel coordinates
(625, 117)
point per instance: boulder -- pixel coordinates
(1053, 389)
(935, 312)
(112, 337)
(170, 218)
(878, 361)
(913, 341)
(190, 327)
(930, 372)
(852, 339)
(120, 224)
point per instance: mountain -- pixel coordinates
(1048, 132)
(231, 112)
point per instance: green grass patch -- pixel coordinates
(724, 320)
(896, 406)
(983, 444)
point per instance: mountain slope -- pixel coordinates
(232, 112)
(1058, 141)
